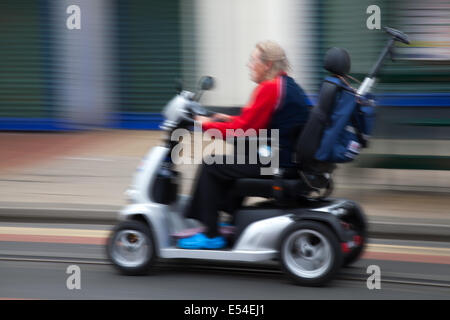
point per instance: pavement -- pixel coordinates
(81, 178)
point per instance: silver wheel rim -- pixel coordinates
(130, 248)
(307, 253)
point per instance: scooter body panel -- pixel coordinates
(143, 180)
(263, 234)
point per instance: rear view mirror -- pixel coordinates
(206, 83)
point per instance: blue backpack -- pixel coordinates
(349, 126)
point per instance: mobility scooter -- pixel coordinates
(312, 237)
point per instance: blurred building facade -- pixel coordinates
(119, 69)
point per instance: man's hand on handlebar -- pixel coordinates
(214, 117)
(220, 117)
(202, 119)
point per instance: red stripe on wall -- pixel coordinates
(406, 257)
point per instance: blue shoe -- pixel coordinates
(218, 242)
(201, 241)
(225, 224)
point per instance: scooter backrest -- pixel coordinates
(308, 141)
(337, 61)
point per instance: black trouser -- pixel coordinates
(213, 190)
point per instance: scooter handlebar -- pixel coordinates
(397, 35)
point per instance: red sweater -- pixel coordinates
(257, 113)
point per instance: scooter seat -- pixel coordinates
(251, 187)
(289, 185)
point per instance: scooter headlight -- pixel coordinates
(131, 196)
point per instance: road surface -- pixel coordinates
(34, 260)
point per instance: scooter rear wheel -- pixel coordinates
(310, 253)
(131, 248)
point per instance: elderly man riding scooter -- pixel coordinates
(277, 102)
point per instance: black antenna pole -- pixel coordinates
(383, 54)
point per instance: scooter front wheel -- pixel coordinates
(131, 248)
(310, 253)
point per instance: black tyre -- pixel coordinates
(310, 253)
(131, 248)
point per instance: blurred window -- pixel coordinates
(149, 53)
(24, 55)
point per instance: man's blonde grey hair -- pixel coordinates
(273, 52)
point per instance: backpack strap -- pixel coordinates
(334, 80)
(341, 82)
